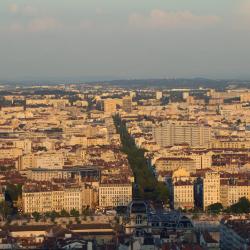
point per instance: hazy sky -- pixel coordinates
(124, 39)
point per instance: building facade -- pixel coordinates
(115, 194)
(169, 134)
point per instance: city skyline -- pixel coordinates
(125, 124)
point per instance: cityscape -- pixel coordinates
(99, 166)
(124, 125)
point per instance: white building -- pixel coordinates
(169, 134)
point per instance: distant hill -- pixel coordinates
(180, 83)
(142, 83)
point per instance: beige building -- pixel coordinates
(202, 160)
(25, 145)
(211, 188)
(127, 104)
(232, 190)
(10, 153)
(183, 194)
(109, 105)
(46, 198)
(80, 103)
(182, 189)
(97, 140)
(158, 95)
(53, 102)
(50, 160)
(114, 194)
(230, 144)
(173, 163)
(78, 140)
(245, 97)
(12, 109)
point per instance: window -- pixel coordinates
(138, 219)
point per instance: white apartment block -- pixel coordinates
(168, 134)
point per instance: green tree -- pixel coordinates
(36, 216)
(12, 192)
(242, 206)
(86, 211)
(5, 209)
(53, 215)
(64, 213)
(215, 208)
(146, 185)
(74, 213)
(47, 214)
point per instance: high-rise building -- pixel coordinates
(158, 95)
(109, 106)
(168, 134)
(132, 94)
(185, 95)
(127, 104)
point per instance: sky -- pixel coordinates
(124, 39)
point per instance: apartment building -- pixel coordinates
(42, 198)
(232, 190)
(10, 153)
(77, 173)
(207, 188)
(202, 160)
(24, 144)
(127, 104)
(158, 95)
(245, 97)
(113, 194)
(50, 160)
(78, 140)
(183, 194)
(230, 144)
(109, 106)
(46, 101)
(169, 134)
(173, 163)
(97, 140)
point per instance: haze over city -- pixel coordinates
(100, 40)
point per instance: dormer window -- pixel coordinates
(138, 219)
